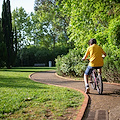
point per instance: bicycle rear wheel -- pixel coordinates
(99, 84)
(92, 82)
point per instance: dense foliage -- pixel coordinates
(38, 37)
(94, 19)
(30, 55)
(45, 27)
(71, 64)
(42, 35)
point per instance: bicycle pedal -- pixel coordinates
(91, 82)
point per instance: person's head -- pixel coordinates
(92, 41)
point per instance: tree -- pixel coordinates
(53, 24)
(7, 31)
(8, 35)
(89, 19)
(2, 47)
(20, 21)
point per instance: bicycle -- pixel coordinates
(96, 81)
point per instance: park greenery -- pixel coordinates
(22, 98)
(57, 31)
(92, 19)
(61, 28)
(43, 31)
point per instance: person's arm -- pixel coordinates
(104, 54)
(86, 55)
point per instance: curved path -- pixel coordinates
(100, 107)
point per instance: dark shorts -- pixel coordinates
(89, 69)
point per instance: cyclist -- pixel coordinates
(95, 61)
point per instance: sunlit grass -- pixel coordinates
(22, 98)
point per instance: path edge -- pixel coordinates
(85, 102)
(82, 110)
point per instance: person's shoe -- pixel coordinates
(87, 89)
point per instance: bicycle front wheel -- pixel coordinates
(99, 85)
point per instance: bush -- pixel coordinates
(30, 55)
(111, 68)
(42, 55)
(71, 64)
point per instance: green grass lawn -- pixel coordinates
(24, 99)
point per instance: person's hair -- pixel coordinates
(92, 41)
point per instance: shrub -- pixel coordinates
(111, 68)
(30, 55)
(42, 55)
(71, 63)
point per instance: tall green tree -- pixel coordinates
(46, 27)
(20, 21)
(9, 35)
(2, 47)
(53, 24)
(7, 32)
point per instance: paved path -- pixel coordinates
(100, 107)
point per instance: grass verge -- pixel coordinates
(22, 98)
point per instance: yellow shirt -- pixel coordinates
(95, 53)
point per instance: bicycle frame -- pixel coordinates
(94, 76)
(96, 82)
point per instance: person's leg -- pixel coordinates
(86, 79)
(87, 89)
(86, 74)
(99, 71)
(88, 71)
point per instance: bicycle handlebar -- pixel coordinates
(89, 59)
(85, 59)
